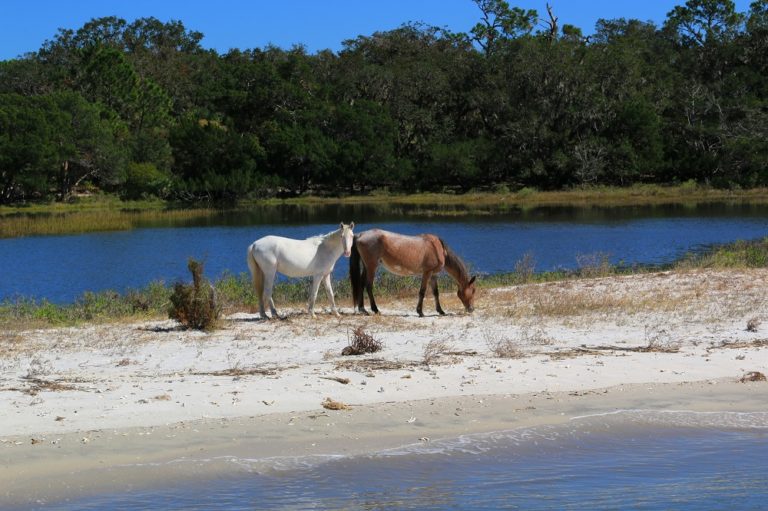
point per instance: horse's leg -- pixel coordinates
(313, 294)
(433, 284)
(329, 290)
(422, 291)
(369, 276)
(269, 284)
(360, 298)
(258, 282)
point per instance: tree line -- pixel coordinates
(142, 109)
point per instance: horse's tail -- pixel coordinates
(355, 275)
(257, 274)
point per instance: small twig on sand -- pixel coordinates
(336, 378)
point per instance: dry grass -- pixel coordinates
(594, 265)
(525, 268)
(367, 365)
(10, 343)
(757, 343)
(362, 343)
(659, 340)
(695, 293)
(37, 385)
(753, 324)
(242, 371)
(505, 348)
(435, 349)
(501, 345)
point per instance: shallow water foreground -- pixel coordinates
(646, 460)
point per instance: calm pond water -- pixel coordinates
(641, 460)
(61, 268)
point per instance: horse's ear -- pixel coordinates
(352, 225)
(472, 280)
(341, 225)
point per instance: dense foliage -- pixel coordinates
(142, 109)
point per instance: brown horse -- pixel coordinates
(424, 255)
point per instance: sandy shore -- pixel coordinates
(107, 406)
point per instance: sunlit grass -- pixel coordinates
(78, 222)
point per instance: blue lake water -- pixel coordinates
(644, 460)
(61, 268)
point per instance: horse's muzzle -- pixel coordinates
(470, 309)
(347, 253)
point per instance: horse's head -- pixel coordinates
(467, 294)
(346, 237)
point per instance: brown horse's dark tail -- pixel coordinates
(356, 276)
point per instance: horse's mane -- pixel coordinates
(319, 238)
(452, 260)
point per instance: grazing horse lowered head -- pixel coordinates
(424, 255)
(313, 257)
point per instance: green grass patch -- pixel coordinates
(741, 254)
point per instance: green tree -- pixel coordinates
(702, 21)
(364, 136)
(500, 21)
(89, 147)
(27, 154)
(214, 162)
(55, 142)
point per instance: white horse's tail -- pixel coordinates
(257, 274)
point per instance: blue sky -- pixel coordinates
(318, 24)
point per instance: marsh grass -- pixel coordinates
(78, 222)
(102, 212)
(740, 254)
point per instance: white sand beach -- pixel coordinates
(77, 402)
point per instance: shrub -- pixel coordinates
(361, 343)
(195, 306)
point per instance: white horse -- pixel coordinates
(313, 257)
